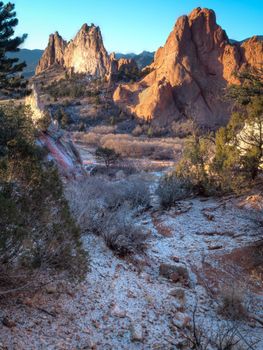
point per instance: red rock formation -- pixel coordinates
(54, 53)
(189, 73)
(84, 54)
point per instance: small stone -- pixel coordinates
(175, 259)
(130, 294)
(117, 312)
(181, 320)
(51, 289)
(136, 332)
(215, 247)
(8, 322)
(178, 293)
(182, 343)
(28, 302)
(174, 272)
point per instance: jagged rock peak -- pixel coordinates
(189, 73)
(86, 52)
(54, 53)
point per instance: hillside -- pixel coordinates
(31, 57)
(143, 59)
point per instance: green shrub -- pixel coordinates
(37, 228)
(108, 155)
(171, 190)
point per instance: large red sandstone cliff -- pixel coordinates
(190, 72)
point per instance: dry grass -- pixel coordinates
(130, 146)
(109, 209)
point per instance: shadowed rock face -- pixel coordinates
(54, 53)
(84, 54)
(189, 73)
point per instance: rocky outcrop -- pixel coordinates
(189, 73)
(84, 54)
(60, 147)
(54, 53)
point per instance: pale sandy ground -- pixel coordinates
(126, 304)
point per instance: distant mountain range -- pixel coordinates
(232, 41)
(143, 59)
(31, 57)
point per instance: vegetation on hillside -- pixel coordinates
(37, 229)
(32, 234)
(231, 159)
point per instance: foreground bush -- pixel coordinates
(37, 228)
(232, 159)
(108, 208)
(171, 189)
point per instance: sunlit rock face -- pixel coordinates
(189, 74)
(56, 141)
(86, 52)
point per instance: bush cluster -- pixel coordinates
(37, 228)
(71, 88)
(107, 209)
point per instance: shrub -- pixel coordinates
(109, 156)
(171, 189)
(62, 117)
(121, 235)
(38, 235)
(232, 305)
(106, 209)
(137, 131)
(44, 122)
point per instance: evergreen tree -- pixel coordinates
(10, 79)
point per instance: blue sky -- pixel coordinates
(130, 25)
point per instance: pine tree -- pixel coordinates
(10, 79)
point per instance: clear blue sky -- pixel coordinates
(130, 25)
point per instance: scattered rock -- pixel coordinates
(215, 247)
(175, 259)
(182, 343)
(130, 294)
(181, 320)
(174, 273)
(209, 217)
(51, 289)
(136, 332)
(178, 293)
(8, 322)
(117, 312)
(2, 347)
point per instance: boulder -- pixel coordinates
(175, 273)
(136, 332)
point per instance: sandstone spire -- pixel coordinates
(189, 73)
(54, 53)
(86, 52)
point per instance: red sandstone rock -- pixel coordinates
(190, 72)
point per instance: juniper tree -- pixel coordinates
(247, 123)
(11, 81)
